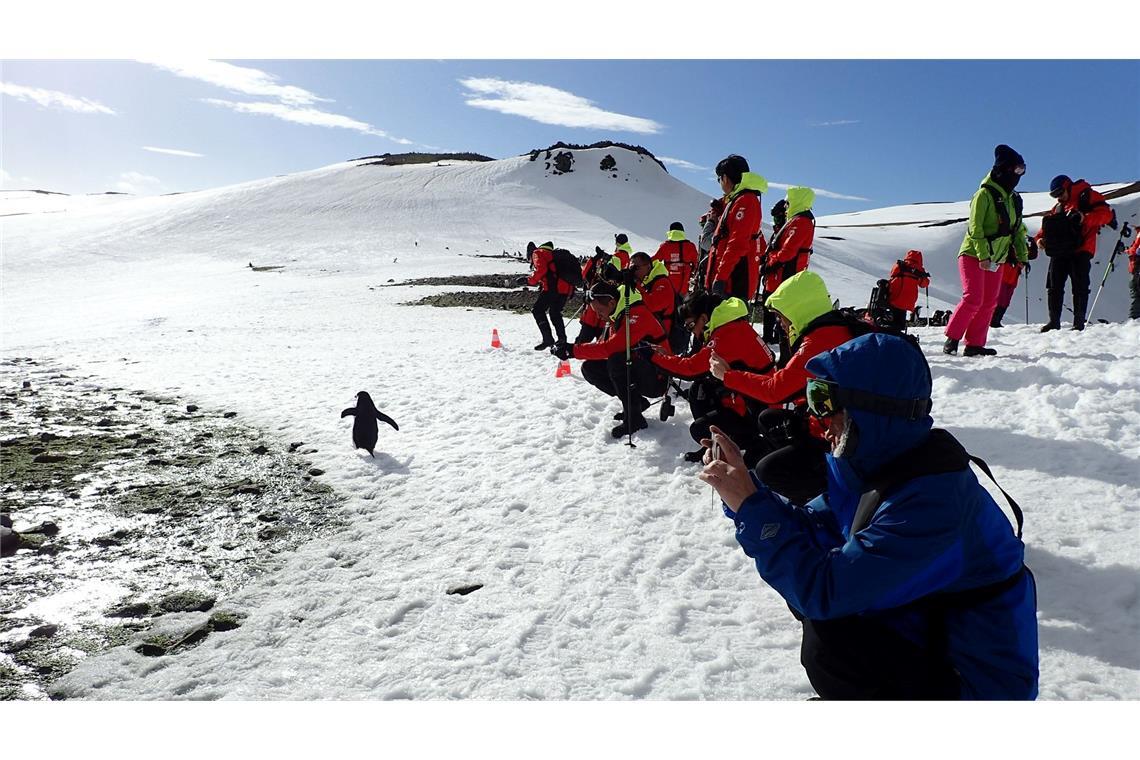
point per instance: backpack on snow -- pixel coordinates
(567, 267)
(879, 305)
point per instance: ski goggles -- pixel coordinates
(825, 399)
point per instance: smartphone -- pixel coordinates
(715, 450)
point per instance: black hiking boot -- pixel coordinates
(995, 320)
(950, 346)
(637, 423)
(545, 344)
(1050, 326)
(644, 405)
(978, 351)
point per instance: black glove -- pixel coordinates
(1076, 216)
(521, 281)
(1027, 267)
(562, 350)
(1114, 223)
(718, 288)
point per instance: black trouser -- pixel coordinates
(608, 376)
(898, 318)
(1134, 288)
(859, 657)
(550, 302)
(1076, 269)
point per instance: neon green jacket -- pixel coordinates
(981, 239)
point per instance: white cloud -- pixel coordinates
(820, 192)
(838, 123)
(138, 184)
(549, 105)
(54, 99)
(308, 116)
(683, 164)
(241, 79)
(174, 152)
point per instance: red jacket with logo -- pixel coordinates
(907, 276)
(738, 237)
(642, 326)
(545, 274)
(1095, 213)
(680, 258)
(788, 254)
(661, 298)
(737, 343)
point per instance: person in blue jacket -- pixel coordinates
(907, 576)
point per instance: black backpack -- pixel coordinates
(567, 267)
(1062, 235)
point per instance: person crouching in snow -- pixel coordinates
(906, 575)
(552, 298)
(604, 361)
(907, 276)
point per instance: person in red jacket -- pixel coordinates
(1133, 252)
(907, 276)
(604, 361)
(796, 465)
(734, 264)
(622, 251)
(679, 256)
(789, 249)
(552, 296)
(656, 287)
(598, 268)
(1087, 211)
(723, 324)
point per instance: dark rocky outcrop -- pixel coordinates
(601, 144)
(400, 159)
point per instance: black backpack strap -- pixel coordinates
(1017, 513)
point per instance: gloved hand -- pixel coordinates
(562, 350)
(1114, 223)
(1027, 267)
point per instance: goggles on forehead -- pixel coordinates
(1019, 169)
(825, 398)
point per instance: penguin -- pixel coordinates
(364, 431)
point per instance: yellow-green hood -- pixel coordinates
(730, 310)
(800, 299)
(800, 199)
(750, 181)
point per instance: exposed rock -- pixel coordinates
(9, 541)
(465, 589)
(259, 449)
(316, 471)
(230, 415)
(105, 422)
(191, 408)
(49, 458)
(272, 516)
(30, 541)
(224, 620)
(130, 610)
(186, 601)
(47, 528)
(44, 632)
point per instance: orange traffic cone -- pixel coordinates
(563, 369)
(495, 342)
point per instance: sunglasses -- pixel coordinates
(826, 399)
(1057, 193)
(1019, 169)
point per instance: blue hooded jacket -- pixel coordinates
(932, 534)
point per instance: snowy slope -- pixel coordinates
(608, 572)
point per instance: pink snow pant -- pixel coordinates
(971, 317)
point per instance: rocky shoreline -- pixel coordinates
(508, 297)
(128, 518)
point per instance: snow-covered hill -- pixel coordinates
(607, 572)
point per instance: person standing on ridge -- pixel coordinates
(791, 246)
(907, 276)
(1068, 235)
(552, 296)
(996, 233)
(679, 256)
(734, 264)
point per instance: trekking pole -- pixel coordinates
(628, 370)
(1125, 231)
(927, 289)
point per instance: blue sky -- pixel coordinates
(865, 133)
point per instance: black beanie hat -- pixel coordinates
(621, 238)
(1059, 184)
(1007, 157)
(676, 226)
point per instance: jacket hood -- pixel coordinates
(800, 199)
(729, 310)
(800, 299)
(625, 247)
(675, 236)
(624, 301)
(886, 365)
(914, 258)
(657, 270)
(750, 181)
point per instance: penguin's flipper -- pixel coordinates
(348, 412)
(385, 418)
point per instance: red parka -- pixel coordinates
(659, 295)
(907, 277)
(545, 275)
(680, 258)
(788, 254)
(737, 343)
(642, 326)
(738, 238)
(1095, 213)
(1133, 252)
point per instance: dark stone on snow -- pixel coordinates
(294, 446)
(230, 415)
(191, 408)
(158, 463)
(186, 601)
(46, 437)
(223, 620)
(150, 649)
(316, 471)
(5, 520)
(259, 449)
(270, 532)
(9, 541)
(49, 458)
(31, 541)
(105, 422)
(50, 549)
(37, 450)
(269, 516)
(465, 589)
(44, 632)
(47, 528)
(130, 610)
(114, 539)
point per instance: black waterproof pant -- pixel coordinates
(898, 319)
(1074, 268)
(1134, 289)
(550, 302)
(859, 657)
(609, 376)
